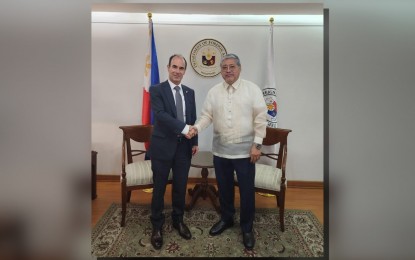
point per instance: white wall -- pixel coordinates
(118, 52)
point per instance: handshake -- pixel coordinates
(192, 132)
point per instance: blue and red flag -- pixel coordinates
(151, 77)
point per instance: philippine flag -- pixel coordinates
(151, 77)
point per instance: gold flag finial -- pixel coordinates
(271, 20)
(149, 15)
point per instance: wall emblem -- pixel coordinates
(205, 57)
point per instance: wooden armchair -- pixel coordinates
(136, 174)
(271, 179)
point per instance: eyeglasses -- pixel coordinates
(230, 68)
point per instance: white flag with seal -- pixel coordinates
(269, 91)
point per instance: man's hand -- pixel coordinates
(192, 132)
(195, 149)
(255, 154)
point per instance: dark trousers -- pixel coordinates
(180, 166)
(245, 172)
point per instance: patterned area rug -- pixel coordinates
(303, 236)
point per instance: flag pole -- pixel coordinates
(150, 190)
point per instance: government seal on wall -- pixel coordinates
(205, 57)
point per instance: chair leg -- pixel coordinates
(278, 201)
(282, 219)
(128, 196)
(123, 207)
(282, 208)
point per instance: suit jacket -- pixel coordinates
(167, 127)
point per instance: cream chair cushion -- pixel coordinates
(267, 177)
(139, 173)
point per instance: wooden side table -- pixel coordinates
(203, 160)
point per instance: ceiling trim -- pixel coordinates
(256, 8)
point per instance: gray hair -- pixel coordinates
(231, 56)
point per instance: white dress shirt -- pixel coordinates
(238, 113)
(172, 85)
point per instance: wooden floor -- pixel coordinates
(296, 198)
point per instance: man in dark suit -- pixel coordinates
(174, 109)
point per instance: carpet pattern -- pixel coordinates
(303, 236)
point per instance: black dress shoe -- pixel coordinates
(156, 239)
(184, 231)
(249, 240)
(219, 227)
